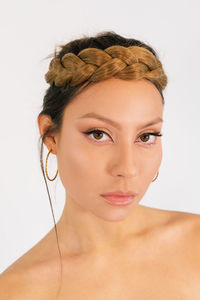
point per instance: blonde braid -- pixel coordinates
(94, 64)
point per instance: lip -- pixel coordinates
(118, 200)
(120, 193)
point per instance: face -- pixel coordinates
(122, 155)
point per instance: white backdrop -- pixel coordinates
(29, 32)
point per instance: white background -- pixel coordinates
(30, 30)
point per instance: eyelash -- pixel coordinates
(144, 134)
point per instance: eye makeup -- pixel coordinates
(98, 131)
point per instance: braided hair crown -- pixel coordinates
(86, 60)
(92, 64)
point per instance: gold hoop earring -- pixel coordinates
(155, 177)
(46, 168)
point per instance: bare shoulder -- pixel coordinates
(182, 230)
(183, 227)
(187, 250)
(176, 219)
(21, 284)
(187, 223)
(30, 275)
(190, 228)
(6, 282)
(12, 287)
(32, 284)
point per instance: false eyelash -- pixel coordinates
(153, 133)
(158, 133)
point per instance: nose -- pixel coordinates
(125, 162)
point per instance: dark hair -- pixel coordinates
(58, 97)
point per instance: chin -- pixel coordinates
(116, 214)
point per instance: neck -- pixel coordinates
(81, 231)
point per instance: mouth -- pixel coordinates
(119, 200)
(120, 193)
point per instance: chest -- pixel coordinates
(127, 279)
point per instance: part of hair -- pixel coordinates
(84, 61)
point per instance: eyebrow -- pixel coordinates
(116, 124)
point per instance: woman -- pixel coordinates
(102, 117)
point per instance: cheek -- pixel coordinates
(78, 167)
(158, 157)
(152, 163)
(148, 162)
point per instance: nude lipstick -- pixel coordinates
(119, 198)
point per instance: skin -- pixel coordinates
(120, 161)
(135, 246)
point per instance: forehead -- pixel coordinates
(123, 100)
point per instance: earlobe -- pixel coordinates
(45, 123)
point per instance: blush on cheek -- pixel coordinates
(75, 164)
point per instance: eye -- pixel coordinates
(145, 137)
(99, 133)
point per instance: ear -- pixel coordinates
(44, 123)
